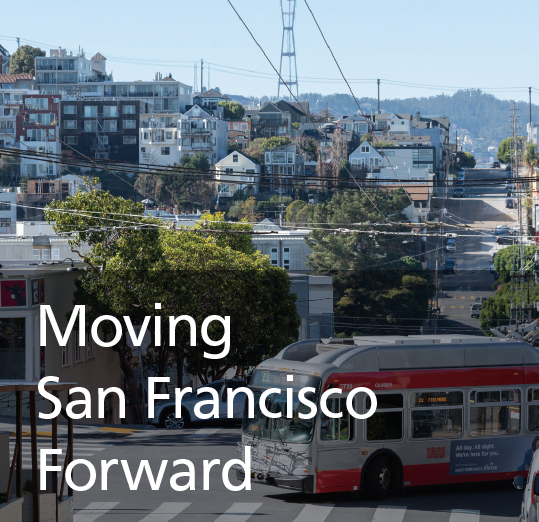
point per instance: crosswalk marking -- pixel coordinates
(464, 516)
(314, 513)
(93, 511)
(205, 432)
(389, 514)
(166, 511)
(239, 512)
(80, 450)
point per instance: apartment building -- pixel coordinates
(270, 121)
(158, 139)
(209, 101)
(101, 129)
(37, 129)
(281, 165)
(8, 210)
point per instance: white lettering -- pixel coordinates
(46, 395)
(225, 339)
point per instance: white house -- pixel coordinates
(236, 172)
(8, 210)
(366, 156)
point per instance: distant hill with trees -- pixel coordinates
(481, 113)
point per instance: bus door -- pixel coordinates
(338, 461)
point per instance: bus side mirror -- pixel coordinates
(518, 482)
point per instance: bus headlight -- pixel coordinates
(303, 462)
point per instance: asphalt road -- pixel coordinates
(485, 502)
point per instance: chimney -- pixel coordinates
(418, 116)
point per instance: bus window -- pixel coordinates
(336, 429)
(431, 416)
(533, 409)
(387, 424)
(488, 417)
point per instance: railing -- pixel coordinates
(202, 146)
(166, 94)
(194, 130)
(46, 68)
(8, 131)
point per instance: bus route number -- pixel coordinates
(345, 387)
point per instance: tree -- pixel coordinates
(256, 148)
(375, 285)
(465, 160)
(531, 157)
(9, 169)
(211, 270)
(324, 116)
(233, 146)
(249, 211)
(22, 60)
(298, 212)
(308, 146)
(506, 150)
(233, 110)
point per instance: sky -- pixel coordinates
(419, 48)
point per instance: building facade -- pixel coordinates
(281, 165)
(8, 210)
(270, 121)
(235, 172)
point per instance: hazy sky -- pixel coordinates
(437, 46)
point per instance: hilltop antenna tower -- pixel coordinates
(288, 48)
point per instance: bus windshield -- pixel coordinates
(282, 429)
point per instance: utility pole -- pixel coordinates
(530, 108)
(378, 81)
(201, 76)
(209, 84)
(281, 193)
(19, 44)
(195, 79)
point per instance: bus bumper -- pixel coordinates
(296, 483)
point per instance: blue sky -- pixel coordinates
(443, 45)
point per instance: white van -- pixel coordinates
(528, 511)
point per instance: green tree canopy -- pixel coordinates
(465, 160)
(233, 110)
(22, 60)
(255, 150)
(531, 157)
(206, 271)
(506, 152)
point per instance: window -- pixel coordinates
(236, 126)
(46, 254)
(70, 124)
(130, 124)
(234, 158)
(386, 423)
(268, 158)
(279, 157)
(110, 111)
(70, 109)
(129, 109)
(365, 149)
(90, 111)
(290, 158)
(5, 222)
(56, 253)
(5, 206)
(6, 112)
(90, 347)
(105, 140)
(336, 429)
(286, 258)
(110, 126)
(78, 349)
(389, 152)
(130, 140)
(186, 142)
(40, 104)
(165, 151)
(90, 126)
(533, 408)
(494, 412)
(71, 140)
(36, 135)
(431, 416)
(274, 257)
(169, 135)
(102, 155)
(37, 253)
(244, 126)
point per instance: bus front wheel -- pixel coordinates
(380, 478)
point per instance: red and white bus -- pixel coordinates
(451, 409)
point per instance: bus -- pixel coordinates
(450, 409)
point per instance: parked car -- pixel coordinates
(459, 192)
(476, 309)
(492, 269)
(165, 416)
(508, 167)
(480, 299)
(509, 175)
(459, 182)
(450, 266)
(510, 187)
(528, 509)
(509, 203)
(451, 245)
(502, 229)
(460, 176)
(506, 240)
(496, 165)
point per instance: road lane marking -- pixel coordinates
(238, 512)
(93, 511)
(389, 514)
(462, 306)
(166, 511)
(314, 513)
(463, 297)
(205, 432)
(464, 516)
(452, 307)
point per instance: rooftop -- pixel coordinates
(12, 78)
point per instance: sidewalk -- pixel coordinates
(96, 431)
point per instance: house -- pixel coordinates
(4, 60)
(8, 210)
(26, 286)
(532, 133)
(200, 130)
(101, 129)
(436, 129)
(270, 121)
(299, 112)
(281, 165)
(37, 124)
(366, 157)
(158, 139)
(241, 139)
(235, 172)
(10, 101)
(209, 101)
(239, 125)
(419, 157)
(23, 81)
(420, 194)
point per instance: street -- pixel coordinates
(485, 502)
(483, 209)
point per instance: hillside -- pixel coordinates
(482, 114)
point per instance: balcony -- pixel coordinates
(46, 68)
(193, 130)
(147, 94)
(202, 146)
(7, 131)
